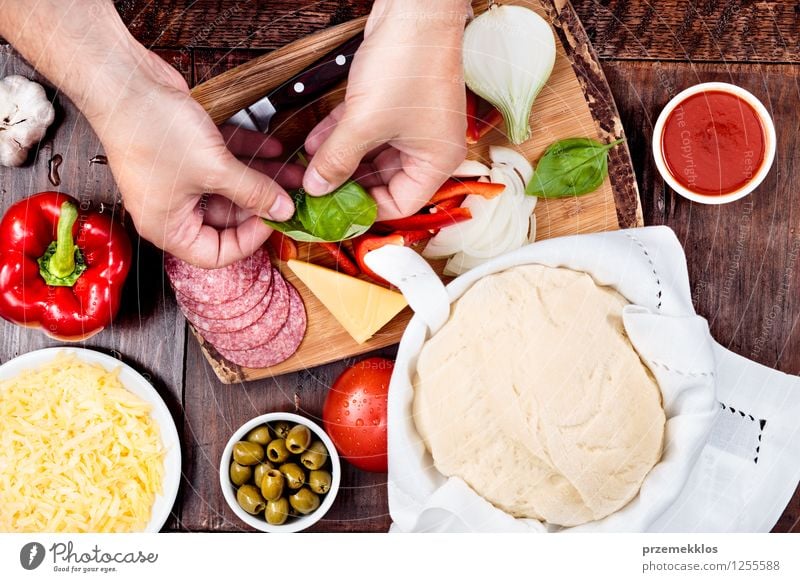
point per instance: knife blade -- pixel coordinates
(316, 79)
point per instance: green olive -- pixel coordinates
(320, 481)
(272, 485)
(295, 477)
(277, 451)
(304, 500)
(298, 439)
(240, 474)
(281, 429)
(314, 456)
(260, 471)
(277, 511)
(250, 499)
(259, 435)
(246, 453)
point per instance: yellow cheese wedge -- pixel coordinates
(361, 307)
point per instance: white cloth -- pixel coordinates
(732, 448)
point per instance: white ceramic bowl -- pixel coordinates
(292, 524)
(136, 383)
(769, 146)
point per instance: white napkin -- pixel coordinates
(732, 454)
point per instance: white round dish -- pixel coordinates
(296, 524)
(769, 136)
(136, 383)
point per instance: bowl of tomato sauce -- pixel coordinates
(714, 143)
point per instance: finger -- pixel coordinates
(323, 129)
(337, 158)
(387, 164)
(250, 144)
(214, 248)
(408, 190)
(285, 174)
(251, 190)
(219, 212)
(367, 176)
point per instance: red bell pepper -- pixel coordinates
(472, 117)
(282, 246)
(429, 221)
(491, 119)
(369, 242)
(343, 261)
(453, 188)
(61, 268)
(448, 204)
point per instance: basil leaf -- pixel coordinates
(570, 167)
(345, 213)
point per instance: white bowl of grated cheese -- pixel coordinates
(126, 419)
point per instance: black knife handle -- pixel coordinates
(318, 78)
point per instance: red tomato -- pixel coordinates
(354, 414)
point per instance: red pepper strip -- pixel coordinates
(369, 242)
(472, 117)
(453, 188)
(449, 204)
(488, 122)
(282, 246)
(61, 269)
(429, 221)
(343, 261)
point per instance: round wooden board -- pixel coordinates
(575, 102)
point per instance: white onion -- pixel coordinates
(498, 225)
(471, 169)
(509, 157)
(509, 53)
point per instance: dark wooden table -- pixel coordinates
(741, 256)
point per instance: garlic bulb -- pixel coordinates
(25, 115)
(509, 53)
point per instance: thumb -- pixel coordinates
(253, 191)
(336, 159)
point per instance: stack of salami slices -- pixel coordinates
(250, 314)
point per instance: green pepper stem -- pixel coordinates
(62, 262)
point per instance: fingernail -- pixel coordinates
(315, 184)
(282, 209)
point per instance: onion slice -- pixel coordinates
(473, 169)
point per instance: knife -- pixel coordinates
(312, 82)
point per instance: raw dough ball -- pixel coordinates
(535, 397)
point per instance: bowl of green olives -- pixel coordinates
(280, 472)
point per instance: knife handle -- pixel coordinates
(317, 79)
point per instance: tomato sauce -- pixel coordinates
(713, 143)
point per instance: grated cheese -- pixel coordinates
(78, 451)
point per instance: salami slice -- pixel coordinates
(264, 329)
(232, 324)
(202, 313)
(282, 346)
(214, 286)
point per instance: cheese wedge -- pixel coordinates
(361, 307)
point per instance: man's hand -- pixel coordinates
(168, 158)
(179, 175)
(401, 128)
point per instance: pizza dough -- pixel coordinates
(535, 397)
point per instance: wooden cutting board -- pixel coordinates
(575, 102)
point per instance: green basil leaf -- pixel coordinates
(345, 213)
(570, 167)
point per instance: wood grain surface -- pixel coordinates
(741, 256)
